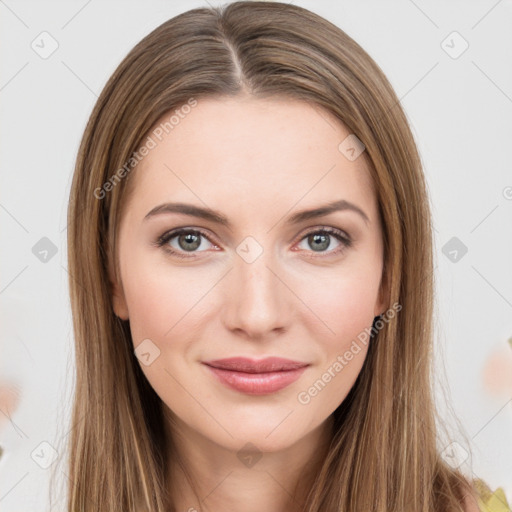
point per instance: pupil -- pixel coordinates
(319, 238)
(187, 238)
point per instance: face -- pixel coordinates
(262, 282)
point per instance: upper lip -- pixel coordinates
(244, 364)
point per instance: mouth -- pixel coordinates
(256, 377)
(247, 365)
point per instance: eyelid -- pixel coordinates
(328, 229)
(342, 236)
(172, 233)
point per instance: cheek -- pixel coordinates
(345, 305)
(162, 304)
(351, 307)
(343, 300)
(158, 298)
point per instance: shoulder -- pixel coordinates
(470, 503)
(480, 498)
(472, 491)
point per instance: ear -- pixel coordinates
(382, 303)
(117, 293)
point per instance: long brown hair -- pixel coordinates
(384, 455)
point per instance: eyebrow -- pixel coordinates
(218, 218)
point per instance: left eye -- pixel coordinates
(321, 240)
(190, 240)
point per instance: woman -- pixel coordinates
(251, 279)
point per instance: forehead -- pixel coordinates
(243, 149)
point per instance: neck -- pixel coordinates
(207, 477)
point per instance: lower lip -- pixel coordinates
(257, 383)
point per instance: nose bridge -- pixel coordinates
(257, 283)
(256, 300)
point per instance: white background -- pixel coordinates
(460, 110)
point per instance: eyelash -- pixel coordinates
(336, 233)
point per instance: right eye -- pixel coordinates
(187, 240)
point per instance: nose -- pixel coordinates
(257, 301)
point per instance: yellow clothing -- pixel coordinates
(489, 501)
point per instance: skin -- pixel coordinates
(257, 162)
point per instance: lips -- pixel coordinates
(255, 377)
(246, 365)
